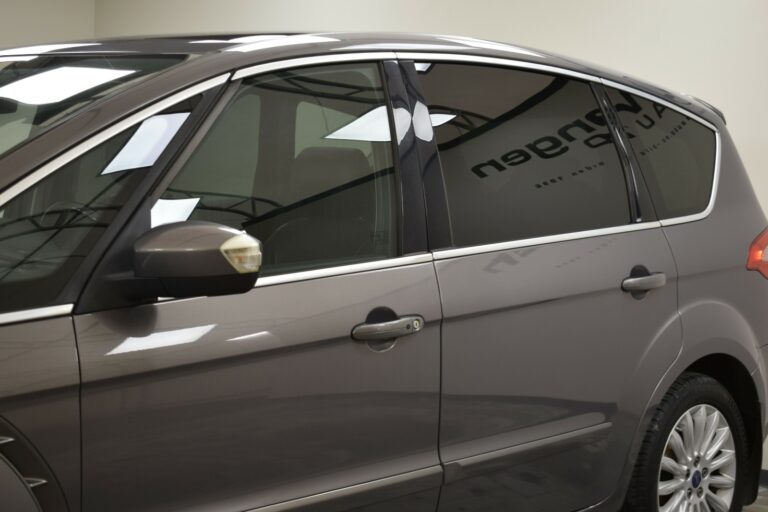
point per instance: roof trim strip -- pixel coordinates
(309, 61)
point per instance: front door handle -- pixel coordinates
(640, 281)
(390, 330)
(644, 283)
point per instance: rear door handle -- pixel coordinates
(642, 284)
(383, 331)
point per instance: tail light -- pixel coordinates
(758, 254)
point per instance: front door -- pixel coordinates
(288, 394)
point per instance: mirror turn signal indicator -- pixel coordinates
(758, 254)
(243, 252)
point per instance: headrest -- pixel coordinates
(318, 169)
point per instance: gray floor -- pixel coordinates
(761, 505)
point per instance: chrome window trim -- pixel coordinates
(340, 270)
(314, 499)
(497, 61)
(718, 150)
(83, 147)
(713, 196)
(354, 268)
(259, 69)
(26, 315)
(444, 254)
(656, 99)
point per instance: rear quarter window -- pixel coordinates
(676, 154)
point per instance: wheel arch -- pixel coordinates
(740, 370)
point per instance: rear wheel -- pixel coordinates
(694, 452)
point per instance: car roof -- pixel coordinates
(263, 47)
(202, 44)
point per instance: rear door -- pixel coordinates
(545, 358)
(284, 395)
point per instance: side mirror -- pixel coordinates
(196, 258)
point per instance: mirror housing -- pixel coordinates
(196, 258)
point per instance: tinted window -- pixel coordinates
(676, 154)
(38, 91)
(301, 160)
(47, 230)
(524, 154)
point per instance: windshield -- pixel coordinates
(38, 91)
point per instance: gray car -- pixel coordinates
(371, 272)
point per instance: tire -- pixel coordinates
(689, 408)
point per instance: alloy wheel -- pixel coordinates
(698, 466)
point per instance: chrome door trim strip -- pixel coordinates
(478, 464)
(445, 254)
(496, 61)
(433, 471)
(309, 61)
(83, 147)
(26, 315)
(354, 268)
(341, 270)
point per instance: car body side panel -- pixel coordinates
(39, 399)
(541, 343)
(721, 302)
(722, 305)
(711, 254)
(245, 401)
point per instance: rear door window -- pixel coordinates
(676, 154)
(524, 154)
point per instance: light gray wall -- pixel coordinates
(709, 48)
(42, 21)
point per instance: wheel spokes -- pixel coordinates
(674, 502)
(726, 457)
(671, 466)
(716, 503)
(688, 434)
(699, 425)
(678, 446)
(713, 421)
(722, 482)
(723, 434)
(668, 487)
